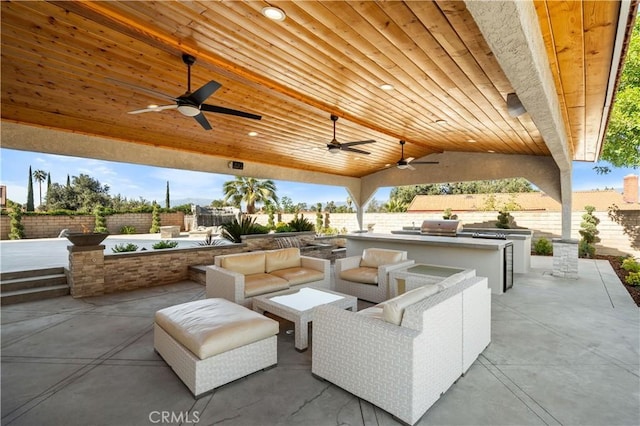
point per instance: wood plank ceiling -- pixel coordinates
(58, 59)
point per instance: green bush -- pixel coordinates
(16, 231)
(247, 226)
(631, 265)
(126, 229)
(123, 248)
(633, 278)
(301, 224)
(165, 244)
(543, 247)
(210, 240)
(283, 227)
(589, 232)
(155, 219)
(504, 220)
(101, 220)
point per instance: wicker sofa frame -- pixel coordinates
(404, 369)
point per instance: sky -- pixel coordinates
(134, 181)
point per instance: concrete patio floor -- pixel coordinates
(563, 352)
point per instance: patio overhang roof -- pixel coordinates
(452, 65)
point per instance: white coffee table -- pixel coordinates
(297, 307)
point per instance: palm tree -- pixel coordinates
(251, 191)
(40, 176)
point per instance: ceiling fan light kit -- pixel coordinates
(190, 104)
(334, 146)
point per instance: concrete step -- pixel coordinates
(32, 282)
(31, 294)
(38, 284)
(4, 276)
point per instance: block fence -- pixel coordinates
(46, 226)
(617, 238)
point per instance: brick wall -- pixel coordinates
(45, 226)
(129, 271)
(618, 237)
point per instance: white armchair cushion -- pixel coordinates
(282, 259)
(393, 309)
(246, 264)
(374, 257)
(363, 275)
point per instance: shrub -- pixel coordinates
(589, 232)
(247, 226)
(101, 220)
(631, 265)
(633, 278)
(504, 220)
(283, 227)
(155, 219)
(543, 247)
(128, 230)
(210, 240)
(301, 224)
(123, 248)
(16, 228)
(165, 244)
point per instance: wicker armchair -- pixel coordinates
(367, 277)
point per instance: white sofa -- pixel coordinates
(403, 354)
(367, 276)
(241, 276)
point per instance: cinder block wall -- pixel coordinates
(617, 238)
(45, 226)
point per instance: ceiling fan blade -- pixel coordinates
(359, 151)
(222, 110)
(141, 89)
(410, 159)
(201, 95)
(410, 167)
(357, 143)
(200, 118)
(154, 109)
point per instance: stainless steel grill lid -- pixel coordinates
(443, 227)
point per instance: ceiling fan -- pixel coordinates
(189, 104)
(406, 163)
(334, 146)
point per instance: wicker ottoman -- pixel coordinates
(211, 342)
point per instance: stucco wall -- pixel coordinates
(617, 238)
(45, 226)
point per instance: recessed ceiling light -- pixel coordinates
(274, 13)
(253, 133)
(492, 151)
(471, 140)
(440, 121)
(386, 86)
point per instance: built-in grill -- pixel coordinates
(441, 228)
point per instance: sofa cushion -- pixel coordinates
(297, 276)
(257, 284)
(451, 281)
(374, 312)
(245, 263)
(374, 258)
(212, 326)
(393, 309)
(361, 275)
(282, 259)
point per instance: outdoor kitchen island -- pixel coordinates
(491, 258)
